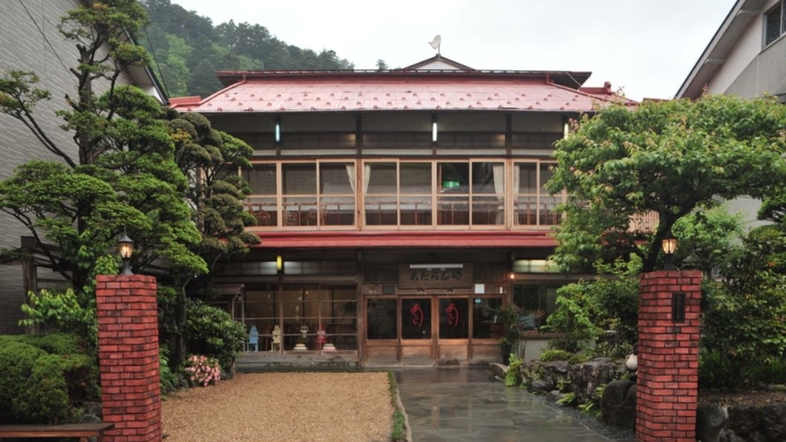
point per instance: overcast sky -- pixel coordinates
(647, 47)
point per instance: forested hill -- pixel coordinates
(189, 49)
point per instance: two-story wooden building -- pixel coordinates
(397, 209)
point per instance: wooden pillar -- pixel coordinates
(668, 356)
(128, 357)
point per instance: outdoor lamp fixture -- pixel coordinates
(669, 245)
(278, 130)
(279, 262)
(126, 249)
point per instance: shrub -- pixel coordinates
(513, 375)
(212, 332)
(45, 387)
(54, 311)
(202, 370)
(556, 354)
(169, 381)
(16, 364)
(55, 343)
(744, 316)
(56, 387)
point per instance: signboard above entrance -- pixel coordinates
(432, 277)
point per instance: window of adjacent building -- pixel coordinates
(774, 24)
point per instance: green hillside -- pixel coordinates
(188, 49)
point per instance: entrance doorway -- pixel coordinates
(445, 329)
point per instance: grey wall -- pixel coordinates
(764, 74)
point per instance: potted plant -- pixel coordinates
(510, 333)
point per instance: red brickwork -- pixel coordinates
(128, 357)
(667, 385)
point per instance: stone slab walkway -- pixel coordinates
(463, 405)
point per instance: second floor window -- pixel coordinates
(774, 24)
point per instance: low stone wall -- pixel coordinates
(760, 423)
(714, 423)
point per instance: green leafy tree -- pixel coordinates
(210, 159)
(668, 157)
(124, 175)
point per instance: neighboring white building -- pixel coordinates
(746, 57)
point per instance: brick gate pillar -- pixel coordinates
(667, 383)
(128, 357)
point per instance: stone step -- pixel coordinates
(255, 362)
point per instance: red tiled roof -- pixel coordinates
(280, 92)
(399, 239)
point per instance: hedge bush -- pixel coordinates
(212, 332)
(45, 378)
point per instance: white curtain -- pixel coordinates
(366, 177)
(352, 176)
(499, 180)
(499, 189)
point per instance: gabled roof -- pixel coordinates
(438, 60)
(404, 90)
(721, 45)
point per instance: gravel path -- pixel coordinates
(259, 407)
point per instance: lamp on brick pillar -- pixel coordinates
(126, 249)
(669, 245)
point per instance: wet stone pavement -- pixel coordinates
(461, 405)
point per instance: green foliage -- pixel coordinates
(42, 387)
(54, 343)
(56, 386)
(612, 348)
(184, 42)
(668, 157)
(555, 354)
(772, 372)
(124, 176)
(398, 433)
(16, 363)
(568, 399)
(212, 332)
(168, 379)
(744, 315)
(54, 311)
(513, 375)
(706, 237)
(508, 318)
(718, 370)
(586, 308)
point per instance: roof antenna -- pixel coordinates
(436, 42)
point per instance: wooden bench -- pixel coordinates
(82, 431)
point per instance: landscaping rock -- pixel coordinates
(541, 386)
(615, 408)
(773, 420)
(555, 367)
(729, 436)
(554, 396)
(587, 376)
(710, 421)
(498, 370)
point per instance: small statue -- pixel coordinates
(253, 338)
(276, 344)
